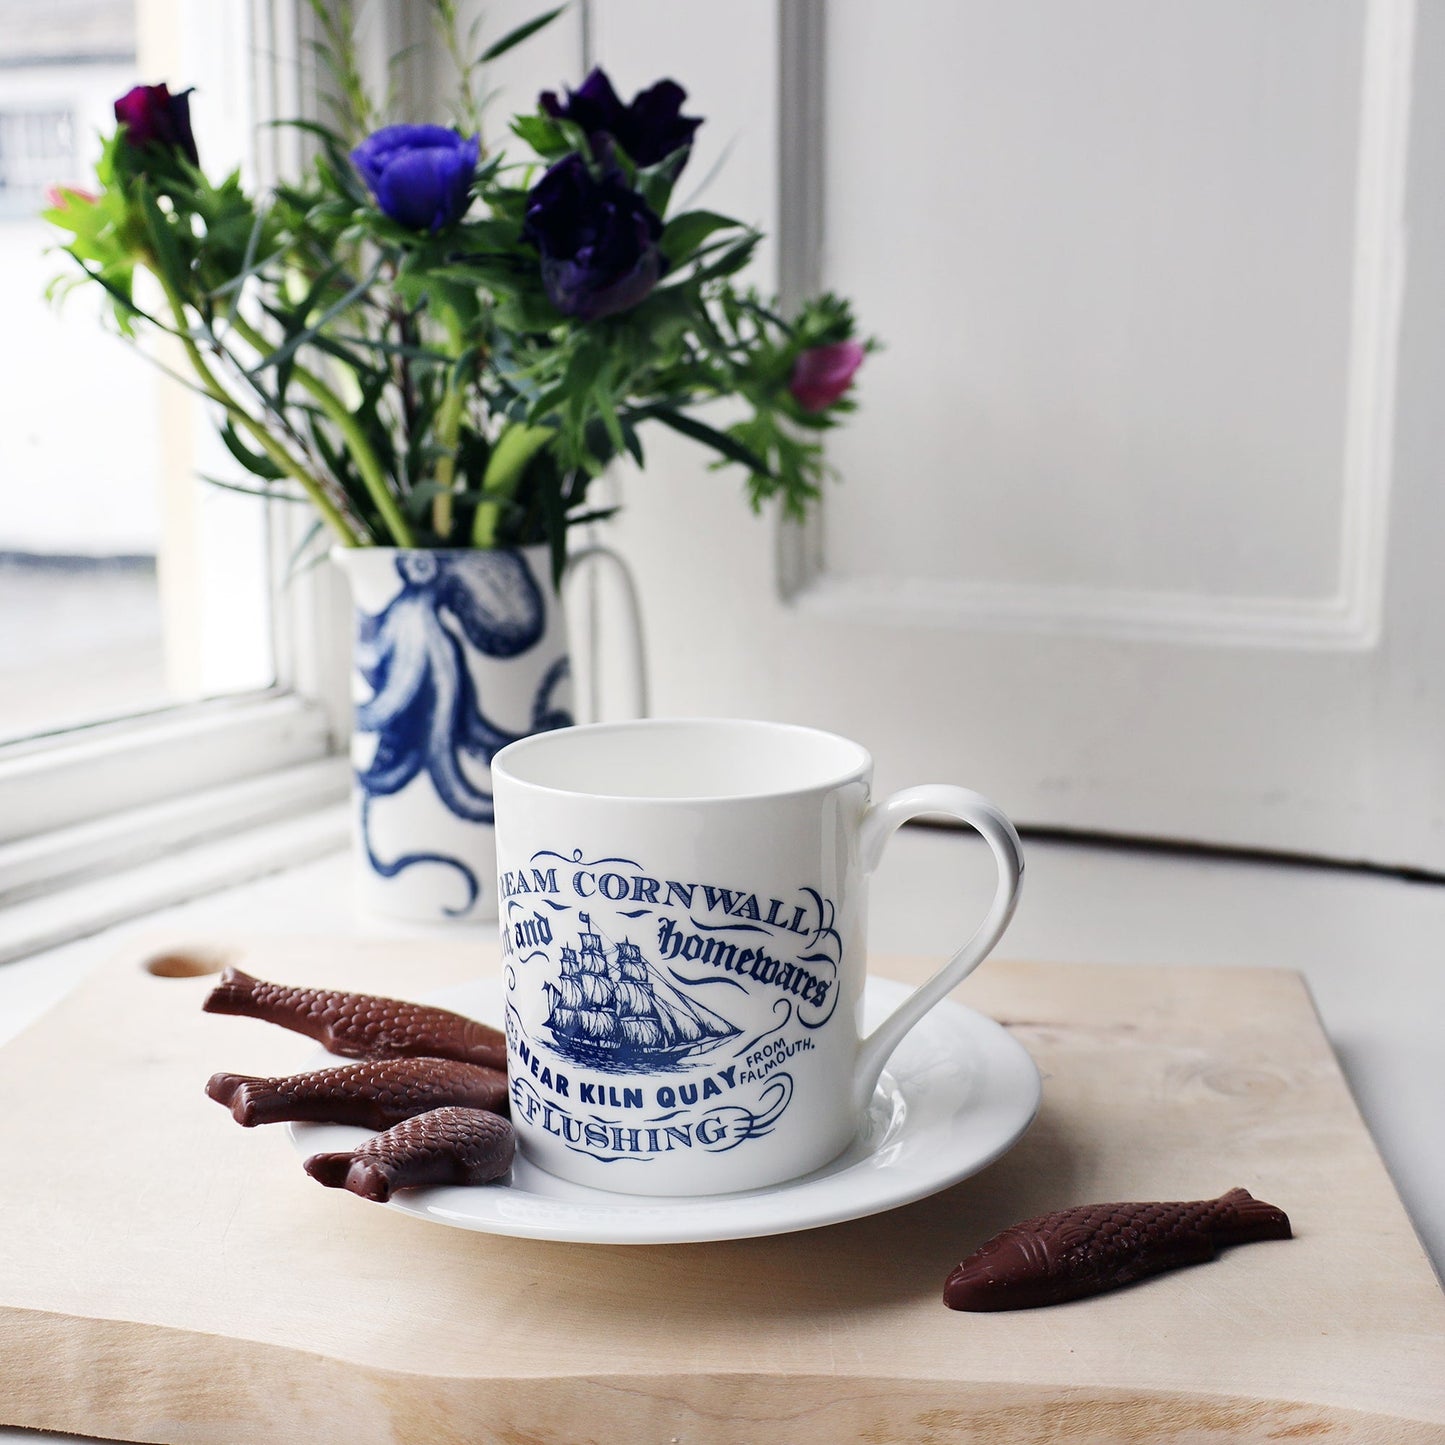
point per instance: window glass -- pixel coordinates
(125, 583)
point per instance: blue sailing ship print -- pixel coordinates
(424, 708)
(613, 1011)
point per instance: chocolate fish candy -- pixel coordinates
(373, 1094)
(1096, 1247)
(359, 1025)
(445, 1146)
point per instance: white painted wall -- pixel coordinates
(1114, 267)
(1138, 527)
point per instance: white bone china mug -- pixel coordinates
(683, 922)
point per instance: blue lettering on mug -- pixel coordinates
(631, 975)
(614, 1140)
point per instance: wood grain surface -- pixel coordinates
(167, 1276)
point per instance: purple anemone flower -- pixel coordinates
(421, 175)
(597, 238)
(649, 129)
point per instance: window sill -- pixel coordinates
(75, 881)
(51, 783)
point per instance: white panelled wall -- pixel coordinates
(1139, 520)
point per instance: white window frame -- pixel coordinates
(85, 805)
(24, 167)
(104, 823)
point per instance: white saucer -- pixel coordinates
(958, 1093)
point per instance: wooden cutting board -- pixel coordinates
(166, 1276)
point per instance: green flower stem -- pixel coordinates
(515, 448)
(260, 434)
(449, 420)
(362, 453)
(449, 424)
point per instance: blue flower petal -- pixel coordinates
(421, 175)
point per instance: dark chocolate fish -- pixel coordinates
(445, 1146)
(359, 1025)
(1096, 1247)
(373, 1094)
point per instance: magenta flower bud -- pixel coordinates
(152, 116)
(823, 373)
(58, 198)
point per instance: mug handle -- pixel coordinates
(880, 822)
(590, 555)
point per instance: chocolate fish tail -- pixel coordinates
(1249, 1219)
(359, 1025)
(1096, 1247)
(234, 994)
(331, 1170)
(223, 1088)
(372, 1094)
(445, 1146)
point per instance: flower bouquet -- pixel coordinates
(440, 345)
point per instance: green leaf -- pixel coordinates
(685, 233)
(584, 368)
(729, 447)
(417, 504)
(367, 374)
(732, 260)
(250, 266)
(522, 32)
(284, 353)
(388, 348)
(554, 523)
(271, 494)
(119, 293)
(667, 315)
(294, 567)
(656, 181)
(528, 311)
(165, 252)
(311, 127)
(754, 307)
(256, 463)
(607, 409)
(516, 446)
(541, 133)
(601, 514)
(632, 441)
(483, 233)
(500, 277)
(543, 405)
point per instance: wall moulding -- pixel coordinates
(1349, 616)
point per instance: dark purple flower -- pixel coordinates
(152, 116)
(649, 129)
(823, 373)
(597, 237)
(421, 175)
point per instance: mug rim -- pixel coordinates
(861, 770)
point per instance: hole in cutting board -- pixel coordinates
(186, 962)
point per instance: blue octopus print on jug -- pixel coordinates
(424, 708)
